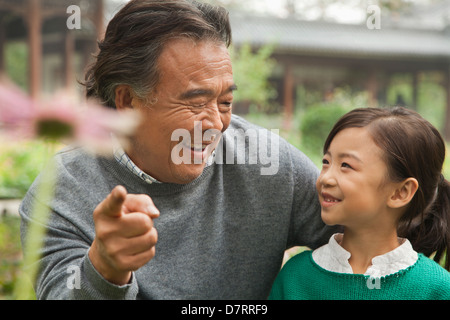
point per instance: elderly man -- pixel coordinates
(195, 223)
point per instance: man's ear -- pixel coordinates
(403, 193)
(123, 97)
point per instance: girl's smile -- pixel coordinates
(328, 200)
(353, 186)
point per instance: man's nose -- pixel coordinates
(212, 118)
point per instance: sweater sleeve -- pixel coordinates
(278, 291)
(293, 279)
(65, 271)
(307, 227)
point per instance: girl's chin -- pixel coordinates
(328, 219)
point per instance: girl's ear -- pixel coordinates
(404, 193)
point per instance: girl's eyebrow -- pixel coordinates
(346, 155)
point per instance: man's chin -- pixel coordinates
(186, 173)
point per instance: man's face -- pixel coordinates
(196, 88)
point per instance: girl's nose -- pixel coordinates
(327, 178)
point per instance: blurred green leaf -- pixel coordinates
(251, 70)
(19, 166)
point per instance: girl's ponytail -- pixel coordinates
(432, 233)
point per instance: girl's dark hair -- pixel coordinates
(136, 36)
(412, 148)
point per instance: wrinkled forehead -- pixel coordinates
(183, 52)
(186, 60)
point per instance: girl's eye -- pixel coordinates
(346, 165)
(325, 161)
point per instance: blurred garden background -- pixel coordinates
(299, 66)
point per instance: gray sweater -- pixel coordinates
(222, 236)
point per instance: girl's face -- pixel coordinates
(353, 185)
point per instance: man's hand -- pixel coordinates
(125, 237)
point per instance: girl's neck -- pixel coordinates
(364, 245)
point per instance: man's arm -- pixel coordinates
(66, 270)
(307, 228)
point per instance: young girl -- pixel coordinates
(381, 180)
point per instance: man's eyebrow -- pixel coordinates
(194, 93)
(232, 88)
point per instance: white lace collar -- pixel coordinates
(333, 257)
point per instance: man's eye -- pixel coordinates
(199, 106)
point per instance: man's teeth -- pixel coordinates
(198, 146)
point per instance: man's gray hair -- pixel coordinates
(136, 36)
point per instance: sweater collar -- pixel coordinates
(124, 160)
(333, 257)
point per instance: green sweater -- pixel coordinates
(302, 279)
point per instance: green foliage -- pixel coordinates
(19, 166)
(16, 58)
(316, 124)
(10, 258)
(431, 96)
(431, 100)
(251, 72)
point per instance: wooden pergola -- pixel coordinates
(43, 24)
(368, 58)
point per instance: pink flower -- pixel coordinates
(61, 117)
(16, 109)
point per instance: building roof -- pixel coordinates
(324, 38)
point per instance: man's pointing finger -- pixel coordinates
(112, 205)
